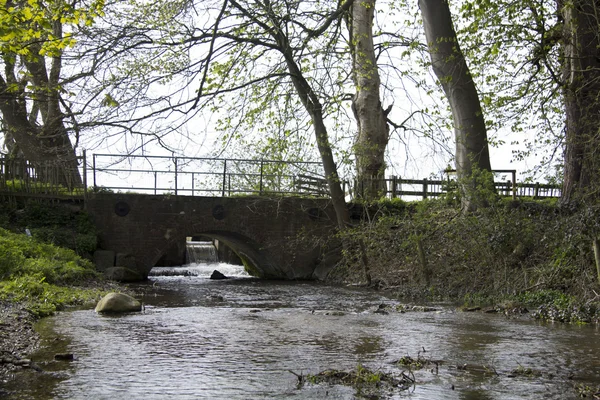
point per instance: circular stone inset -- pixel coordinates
(122, 209)
(218, 212)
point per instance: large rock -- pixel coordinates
(122, 274)
(217, 275)
(118, 303)
(104, 259)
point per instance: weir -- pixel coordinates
(197, 252)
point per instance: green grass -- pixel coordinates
(45, 277)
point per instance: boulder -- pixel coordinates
(217, 275)
(118, 303)
(122, 274)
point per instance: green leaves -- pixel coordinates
(35, 21)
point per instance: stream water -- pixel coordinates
(243, 338)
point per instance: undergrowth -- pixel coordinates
(45, 277)
(534, 252)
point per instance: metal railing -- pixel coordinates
(217, 177)
(205, 176)
(53, 178)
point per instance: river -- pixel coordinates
(243, 338)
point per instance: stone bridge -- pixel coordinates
(266, 233)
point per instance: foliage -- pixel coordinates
(55, 224)
(514, 54)
(42, 275)
(529, 251)
(367, 382)
(19, 185)
(23, 23)
(43, 298)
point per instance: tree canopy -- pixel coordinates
(285, 77)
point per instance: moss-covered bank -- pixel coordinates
(533, 252)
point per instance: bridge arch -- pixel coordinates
(256, 262)
(263, 231)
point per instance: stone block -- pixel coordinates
(104, 259)
(125, 260)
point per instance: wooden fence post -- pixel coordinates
(94, 171)
(175, 160)
(514, 184)
(260, 190)
(424, 188)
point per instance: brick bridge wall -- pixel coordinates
(262, 231)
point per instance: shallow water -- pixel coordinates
(246, 339)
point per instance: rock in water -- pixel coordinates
(118, 303)
(217, 275)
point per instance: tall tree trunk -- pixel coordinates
(44, 142)
(581, 75)
(450, 67)
(373, 131)
(313, 106)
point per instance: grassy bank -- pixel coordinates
(48, 269)
(528, 252)
(44, 277)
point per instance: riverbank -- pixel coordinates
(36, 280)
(18, 339)
(534, 254)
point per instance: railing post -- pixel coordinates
(94, 171)
(424, 188)
(84, 175)
(536, 190)
(192, 184)
(224, 176)
(261, 178)
(155, 181)
(393, 186)
(175, 161)
(514, 184)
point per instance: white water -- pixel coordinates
(202, 270)
(200, 252)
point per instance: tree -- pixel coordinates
(31, 86)
(545, 77)
(581, 80)
(373, 131)
(450, 67)
(249, 31)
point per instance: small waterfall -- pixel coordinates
(201, 260)
(200, 252)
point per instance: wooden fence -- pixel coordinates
(397, 187)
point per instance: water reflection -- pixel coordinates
(240, 338)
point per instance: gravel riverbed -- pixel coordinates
(18, 339)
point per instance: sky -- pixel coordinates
(422, 151)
